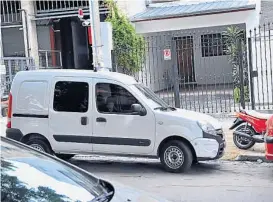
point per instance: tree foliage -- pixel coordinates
(128, 45)
(237, 50)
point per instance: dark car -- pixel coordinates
(30, 175)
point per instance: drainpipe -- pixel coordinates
(96, 34)
(25, 32)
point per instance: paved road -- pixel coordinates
(216, 181)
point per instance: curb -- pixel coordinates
(252, 158)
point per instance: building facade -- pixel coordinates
(50, 32)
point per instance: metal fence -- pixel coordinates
(50, 59)
(210, 71)
(260, 45)
(12, 66)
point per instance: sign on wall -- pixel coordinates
(167, 54)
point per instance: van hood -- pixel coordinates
(197, 116)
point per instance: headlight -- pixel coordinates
(207, 127)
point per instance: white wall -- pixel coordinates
(107, 42)
(198, 22)
(28, 6)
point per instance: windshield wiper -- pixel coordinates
(165, 108)
(103, 197)
(161, 108)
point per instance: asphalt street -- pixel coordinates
(215, 181)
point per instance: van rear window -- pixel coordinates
(32, 97)
(70, 96)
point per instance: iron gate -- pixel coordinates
(12, 65)
(260, 45)
(210, 71)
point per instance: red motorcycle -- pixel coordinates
(250, 128)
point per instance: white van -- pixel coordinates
(68, 112)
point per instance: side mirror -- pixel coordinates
(138, 110)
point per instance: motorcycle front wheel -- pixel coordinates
(242, 142)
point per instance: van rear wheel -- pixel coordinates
(176, 157)
(40, 145)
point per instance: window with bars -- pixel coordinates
(62, 5)
(213, 45)
(10, 11)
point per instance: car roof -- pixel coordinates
(48, 74)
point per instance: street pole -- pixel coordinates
(1, 43)
(96, 34)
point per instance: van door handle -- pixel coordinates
(101, 119)
(84, 120)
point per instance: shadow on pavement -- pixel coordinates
(139, 168)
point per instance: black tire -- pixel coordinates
(183, 149)
(65, 156)
(244, 144)
(40, 144)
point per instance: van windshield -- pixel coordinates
(149, 94)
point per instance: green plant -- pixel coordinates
(128, 45)
(237, 94)
(236, 51)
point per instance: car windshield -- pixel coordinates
(27, 175)
(149, 94)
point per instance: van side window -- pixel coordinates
(111, 98)
(70, 96)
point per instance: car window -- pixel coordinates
(149, 94)
(27, 175)
(70, 96)
(112, 98)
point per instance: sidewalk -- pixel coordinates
(233, 153)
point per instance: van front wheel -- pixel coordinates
(176, 157)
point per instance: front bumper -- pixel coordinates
(213, 146)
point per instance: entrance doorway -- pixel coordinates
(72, 39)
(185, 58)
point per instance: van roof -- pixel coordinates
(47, 74)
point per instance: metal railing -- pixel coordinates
(57, 6)
(10, 11)
(13, 65)
(50, 59)
(207, 70)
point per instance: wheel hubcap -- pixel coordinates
(38, 147)
(174, 157)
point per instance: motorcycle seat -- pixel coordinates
(258, 115)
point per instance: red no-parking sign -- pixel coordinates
(167, 54)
